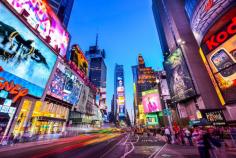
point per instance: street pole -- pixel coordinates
(168, 116)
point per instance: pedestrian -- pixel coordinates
(11, 138)
(188, 135)
(199, 137)
(182, 136)
(168, 134)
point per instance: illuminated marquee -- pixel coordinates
(39, 15)
(215, 40)
(219, 55)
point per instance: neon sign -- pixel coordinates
(215, 40)
(39, 15)
(12, 88)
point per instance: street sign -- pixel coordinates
(167, 112)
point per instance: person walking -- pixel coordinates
(168, 134)
(199, 137)
(188, 135)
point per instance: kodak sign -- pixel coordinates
(220, 37)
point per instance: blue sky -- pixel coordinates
(126, 28)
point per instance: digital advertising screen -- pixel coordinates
(25, 58)
(178, 77)
(151, 101)
(42, 19)
(218, 50)
(65, 85)
(214, 116)
(152, 119)
(78, 58)
(121, 96)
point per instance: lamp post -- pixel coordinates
(164, 98)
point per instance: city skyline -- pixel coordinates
(120, 34)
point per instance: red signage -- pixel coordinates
(12, 88)
(215, 40)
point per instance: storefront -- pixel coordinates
(41, 118)
(28, 53)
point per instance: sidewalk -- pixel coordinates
(186, 151)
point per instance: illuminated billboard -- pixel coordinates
(25, 58)
(218, 50)
(41, 18)
(65, 85)
(178, 77)
(120, 96)
(151, 119)
(78, 58)
(151, 101)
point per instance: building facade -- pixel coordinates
(119, 93)
(144, 79)
(182, 60)
(98, 72)
(63, 9)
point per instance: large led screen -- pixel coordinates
(121, 96)
(180, 82)
(219, 52)
(65, 85)
(42, 19)
(26, 59)
(78, 58)
(151, 101)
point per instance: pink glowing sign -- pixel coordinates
(151, 101)
(39, 15)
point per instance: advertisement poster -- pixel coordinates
(43, 20)
(25, 58)
(178, 77)
(151, 101)
(121, 96)
(219, 50)
(214, 116)
(65, 85)
(78, 58)
(152, 119)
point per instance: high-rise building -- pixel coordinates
(63, 9)
(144, 79)
(119, 93)
(98, 72)
(189, 83)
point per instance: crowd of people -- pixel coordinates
(209, 140)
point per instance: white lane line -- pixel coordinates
(157, 152)
(111, 149)
(127, 153)
(126, 140)
(132, 149)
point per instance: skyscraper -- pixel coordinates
(63, 9)
(98, 71)
(119, 93)
(189, 84)
(144, 79)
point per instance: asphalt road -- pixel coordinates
(87, 146)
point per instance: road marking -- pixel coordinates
(157, 152)
(132, 149)
(126, 140)
(111, 148)
(127, 153)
